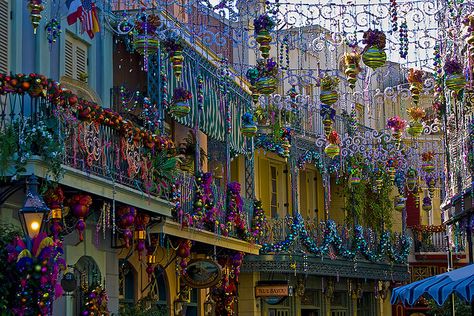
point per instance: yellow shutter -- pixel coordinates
(4, 31)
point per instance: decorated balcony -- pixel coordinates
(431, 241)
(306, 246)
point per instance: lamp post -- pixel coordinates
(34, 211)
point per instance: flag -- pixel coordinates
(89, 18)
(74, 11)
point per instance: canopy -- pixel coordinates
(439, 287)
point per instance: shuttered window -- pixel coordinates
(75, 59)
(4, 33)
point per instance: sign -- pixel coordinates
(202, 273)
(273, 290)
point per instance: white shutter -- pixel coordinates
(4, 33)
(75, 58)
(68, 59)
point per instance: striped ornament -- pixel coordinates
(374, 57)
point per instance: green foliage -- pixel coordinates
(461, 307)
(378, 206)
(8, 148)
(8, 271)
(165, 165)
(144, 307)
(355, 202)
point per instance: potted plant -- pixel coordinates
(416, 127)
(351, 61)
(355, 176)
(145, 40)
(332, 149)
(267, 76)
(249, 128)
(374, 55)
(263, 25)
(415, 78)
(174, 47)
(454, 80)
(180, 106)
(329, 93)
(400, 203)
(426, 206)
(427, 158)
(397, 125)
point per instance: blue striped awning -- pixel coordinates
(439, 287)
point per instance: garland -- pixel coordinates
(235, 217)
(226, 292)
(96, 303)
(39, 86)
(267, 143)
(332, 240)
(428, 228)
(310, 156)
(259, 222)
(39, 261)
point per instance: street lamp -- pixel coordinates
(34, 211)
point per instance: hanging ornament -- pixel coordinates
(54, 198)
(403, 39)
(174, 47)
(329, 94)
(180, 105)
(455, 80)
(328, 114)
(392, 163)
(145, 39)
(252, 77)
(332, 149)
(399, 203)
(263, 25)
(141, 221)
(393, 15)
(416, 114)
(415, 78)
(53, 28)
(427, 158)
(374, 55)
(411, 179)
(35, 7)
(397, 125)
(126, 219)
(249, 128)
(426, 206)
(79, 205)
(267, 76)
(351, 61)
(355, 176)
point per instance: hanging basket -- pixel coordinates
(374, 57)
(328, 97)
(332, 150)
(266, 85)
(415, 129)
(180, 108)
(455, 82)
(249, 130)
(147, 43)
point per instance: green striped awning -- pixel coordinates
(212, 118)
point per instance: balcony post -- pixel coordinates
(197, 145)
(249, 169)
(294, 176)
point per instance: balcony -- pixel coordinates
(430, 243)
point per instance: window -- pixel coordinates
(273, 191)
(339, 304)
(192, 306)
(126, 283)
(278, 312)
(4, 30)
(366, 305)
(160, 289)
(75, 59)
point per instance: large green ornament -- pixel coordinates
(374, 57)
(266, 85)
(328, 97)
(455, 82)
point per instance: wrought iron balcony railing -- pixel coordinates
(432, 239)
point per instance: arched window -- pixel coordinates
(160, 289)
(88, 273)
(126, 284)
